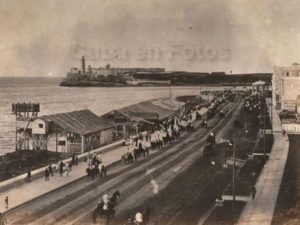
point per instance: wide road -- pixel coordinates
(73, 204)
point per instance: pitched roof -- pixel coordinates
(117, 114)
(148, 107)
(168, 103)
(80, 122)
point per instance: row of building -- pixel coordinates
(108, 70)
(82, 131)
(286, 96)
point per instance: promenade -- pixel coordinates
(261, 209)
(26, 192)
(20, 193)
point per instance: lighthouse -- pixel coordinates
(83, 65)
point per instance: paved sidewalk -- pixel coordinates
(37, 187)
(261, 209)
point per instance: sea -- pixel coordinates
(55, 99)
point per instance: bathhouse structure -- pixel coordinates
(72, 132)
(142, 116)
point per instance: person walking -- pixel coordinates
(70, 166)
(66, 169)
(76, 160)
(61, 168)
(253, 192)
(103, 171)
(28, 175)
(50, 170)
(3, 220)
(73, 159)
(6, 202)
(88, 173)
(46, 174)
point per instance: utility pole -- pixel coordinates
(56, 139)
(231, 144)
(170, 88)
(233, 183)
(264, 129)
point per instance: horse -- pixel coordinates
(127, 158)
(114, 199)
(106, 210)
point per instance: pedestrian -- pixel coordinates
(73, 159)
(46, 174)
(66, 169)
(253, 192)
(50, 170)
(61, 167)
(70, 166)
(3, 220)
(88, 173)
(6, 202)
(103, 171)
(135, 154)
(28, 175)
(76, 160)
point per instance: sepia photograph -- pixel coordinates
(149, 112)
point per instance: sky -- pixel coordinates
(48, 37)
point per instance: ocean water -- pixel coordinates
(55, 99)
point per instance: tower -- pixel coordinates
(25, 114)
(83, 65)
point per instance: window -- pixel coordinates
(41, 125)
(62, 143)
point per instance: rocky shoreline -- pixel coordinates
(16, 163)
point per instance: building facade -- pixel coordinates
(73, 132)
(286, 87)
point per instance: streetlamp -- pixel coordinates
(230, 144)
(220, 166)
(219, 202)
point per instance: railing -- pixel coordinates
(291, 128)
(74, 147)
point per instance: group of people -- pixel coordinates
(95, 168)
(167, 132)
(147, 140)
(63, 168)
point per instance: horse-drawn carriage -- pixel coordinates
(106, 208)
(190, 127)
(221, 114)
(209, 149)
(204, 123)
